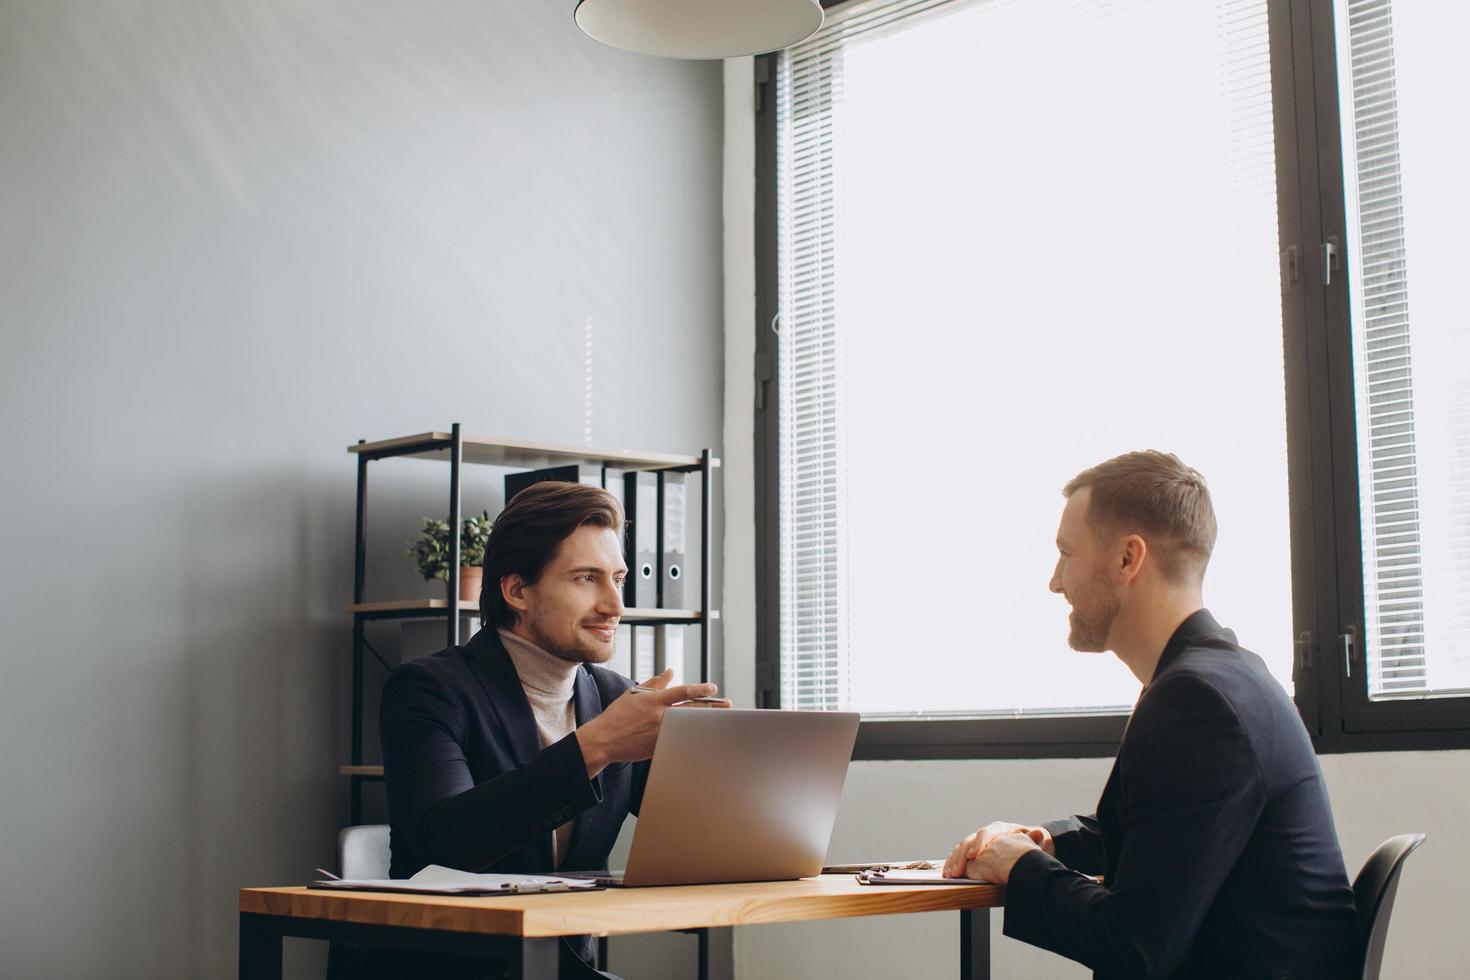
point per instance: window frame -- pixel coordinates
(1325, 529)
(1439, 722)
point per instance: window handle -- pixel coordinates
(1331, 257)
(1346, 640)
(1303, 651)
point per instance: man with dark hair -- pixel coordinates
(515, 752)
(1213, 837)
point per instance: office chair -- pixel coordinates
(1373, 893)
(362, 852)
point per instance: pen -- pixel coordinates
(641, 689)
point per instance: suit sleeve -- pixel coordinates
(1190, 795)
(640, 783)
(449, 819)
(612, 686)
(1078, 843)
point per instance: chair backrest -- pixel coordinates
(362, 851)
(1373, 893)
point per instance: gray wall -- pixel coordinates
(235, 238)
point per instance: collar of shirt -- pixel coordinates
(545, 673)
(1197, 627)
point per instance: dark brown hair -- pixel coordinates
(530, 529)
(1156, 496)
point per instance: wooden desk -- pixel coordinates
(525, 929)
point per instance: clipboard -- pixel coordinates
(896, 876)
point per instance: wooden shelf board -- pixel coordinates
(412, 608)
(514, 452)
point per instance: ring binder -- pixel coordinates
(516, 482)
(641, 500)
(672, 535)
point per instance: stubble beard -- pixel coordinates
(1091, 621)
(584, 652)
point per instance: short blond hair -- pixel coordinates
(1156, 496)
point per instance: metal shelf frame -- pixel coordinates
(458, 450)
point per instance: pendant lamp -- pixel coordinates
(699, 28)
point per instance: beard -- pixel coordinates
(568, 641)
(1093, 613)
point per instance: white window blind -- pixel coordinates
(813, 607)
(991, 215)
(1406, 186)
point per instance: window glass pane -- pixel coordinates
(1403, 90)
(1018, 238)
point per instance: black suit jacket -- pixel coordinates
(1213, 837)
(469, 785)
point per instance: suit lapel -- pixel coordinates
(502, 685)
(1199, 628)
(588, 702)
(1109, 807)
(587, 698)
(497, 675)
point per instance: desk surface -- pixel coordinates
(624, 910)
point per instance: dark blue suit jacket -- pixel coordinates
(469, 785)
(1213, 837)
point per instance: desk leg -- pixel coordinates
(260, 950)
(716, 954)
(974, 944)
(535, 959)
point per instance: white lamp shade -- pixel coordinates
(699, 28)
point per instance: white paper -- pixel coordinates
(437, 880)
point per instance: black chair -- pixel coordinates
(1373, 893)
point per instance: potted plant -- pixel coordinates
(431, 552)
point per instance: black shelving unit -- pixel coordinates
(460, 450)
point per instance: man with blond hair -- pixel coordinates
(1213, 837)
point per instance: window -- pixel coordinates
(1006, 239)
(908, 339)
(1407, 215)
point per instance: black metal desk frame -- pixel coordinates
(527, 959)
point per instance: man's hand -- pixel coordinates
(628, 729)
(997, 858)
(955, 866)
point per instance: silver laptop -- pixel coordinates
(739, 795)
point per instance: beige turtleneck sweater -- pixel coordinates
(549, 682)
